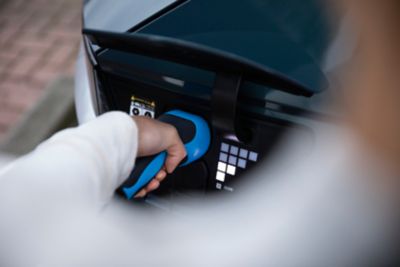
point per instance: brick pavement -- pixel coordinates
(39, 40)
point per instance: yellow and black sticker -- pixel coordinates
(142, 107)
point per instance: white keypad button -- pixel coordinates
(220, 176)
(222, 166)
(231, 170)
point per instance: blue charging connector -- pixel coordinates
(195, 134)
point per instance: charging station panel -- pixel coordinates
(227, 160)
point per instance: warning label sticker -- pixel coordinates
(142, 107)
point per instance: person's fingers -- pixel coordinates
(173, 159)
(153, 185)
(141, 193)
(176, 151)
(161, 175)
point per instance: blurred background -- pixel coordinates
(39, 41)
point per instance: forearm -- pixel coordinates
(89, 161)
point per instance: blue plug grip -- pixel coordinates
(147, 175)
(200, 143)
(195, 149)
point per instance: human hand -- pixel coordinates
(155, 137)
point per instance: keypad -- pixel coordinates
(231, 158)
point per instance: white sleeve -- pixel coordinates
(88, 162)
(68, 177)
